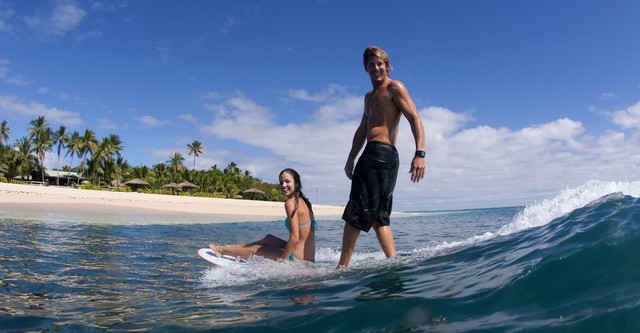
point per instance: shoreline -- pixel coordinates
(35, 199)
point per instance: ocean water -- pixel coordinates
(567, 264)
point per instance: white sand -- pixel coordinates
(103, 202)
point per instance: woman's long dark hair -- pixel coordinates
(298, 191)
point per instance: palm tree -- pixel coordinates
(88, 145)
(25, 160)
(73, 148)
(121, 170)
(11, 162)
(4, 138)
(195, 148)
(62, 139)
(38, 126)
(140, 172)
(108, 148)
(175, 163)
(40, 134)
(4, 132)
(161, 173)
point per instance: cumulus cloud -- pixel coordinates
(11, 104)
(466, 163)
(628, 118)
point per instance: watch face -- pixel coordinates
(421, 153)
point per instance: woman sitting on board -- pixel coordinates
(300, 222)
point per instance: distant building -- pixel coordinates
(67, 178)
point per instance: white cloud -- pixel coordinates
(628, 118)
(149, 121)
(11, 104)
(332, 91)
(62, 18)
(109, 124)
(228, 24)
(164, 53)
(608, 95)
(4, 68)
(15, 79)
(188, 117)
(18, 80)
(482, 165)
(6, 15)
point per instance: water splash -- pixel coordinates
(567, 201)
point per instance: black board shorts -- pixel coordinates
(372, 185)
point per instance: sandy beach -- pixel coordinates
(64, 199)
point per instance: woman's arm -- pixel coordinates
(294, 229)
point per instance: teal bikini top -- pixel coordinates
(313, 224)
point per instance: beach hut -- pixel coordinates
(172, 186)
(137, 183)
(185, 185)
(252, 193)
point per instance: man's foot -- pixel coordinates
(216, 249)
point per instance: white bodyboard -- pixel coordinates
(223, 261)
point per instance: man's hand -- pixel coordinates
(348, 169)
(418, 168)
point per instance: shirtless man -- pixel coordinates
(374, 177)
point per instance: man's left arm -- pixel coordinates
(403, 101)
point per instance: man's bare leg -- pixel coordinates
(385, 237)
(349, 238)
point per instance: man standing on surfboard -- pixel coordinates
(374, 177)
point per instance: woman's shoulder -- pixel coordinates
(290, 202)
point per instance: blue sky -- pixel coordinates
(521, 99)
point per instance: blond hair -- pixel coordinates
(374, 51)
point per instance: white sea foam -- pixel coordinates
(263, 271)
(536, 215)
(567, 201)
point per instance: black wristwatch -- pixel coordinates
(421, 153)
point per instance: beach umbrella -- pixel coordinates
(253, 193)
(189, 186)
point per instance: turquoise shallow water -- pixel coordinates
(567, 264)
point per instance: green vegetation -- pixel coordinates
(102, 165)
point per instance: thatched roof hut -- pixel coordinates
(252, 193)
(185, 185)
(137, 183)
(172, 186)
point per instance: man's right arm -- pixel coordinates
(359, 139)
